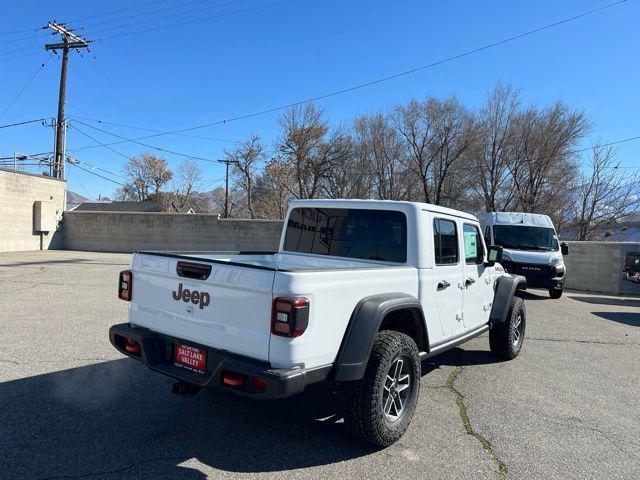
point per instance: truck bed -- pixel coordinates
(283, 262)
(239, 290)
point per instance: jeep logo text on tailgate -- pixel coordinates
(195, 297)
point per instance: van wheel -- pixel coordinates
(505, 339)
(555, 293)
(379, 407)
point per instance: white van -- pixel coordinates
(531, 248)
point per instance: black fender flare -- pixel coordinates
(357, 343)
(506, 287)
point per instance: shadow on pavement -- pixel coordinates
(119, 418)
(614, 301)
(65, 261)
(626, 318)
(112, 416)
(457, 357)
(532, 295)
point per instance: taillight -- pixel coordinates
(289, 317)
(232, 379)
(125, 284)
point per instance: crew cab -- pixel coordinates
(531, 248)
(359, 292)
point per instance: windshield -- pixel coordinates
(345, 232)
(521, 237)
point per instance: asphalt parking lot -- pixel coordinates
(72, 407)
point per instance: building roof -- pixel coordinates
(148, 206)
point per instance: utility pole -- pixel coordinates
(69, 41)
(226, 186)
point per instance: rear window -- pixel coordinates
(344, 232)
(445, 242)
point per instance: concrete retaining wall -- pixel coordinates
(597, 267)
(18, 194)
(129, 232)
(591, 266)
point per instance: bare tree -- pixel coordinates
(146, 174)
(416, 126)
(543, 162)
(309, 148)
(454, 131)
(492, 148)
(246, 157)
(187, 183)
(350, 172)
(380, 146)
(604, 195)
(273, 191)
(436, 135)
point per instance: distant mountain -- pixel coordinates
(75, 198)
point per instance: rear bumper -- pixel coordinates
(157, 352)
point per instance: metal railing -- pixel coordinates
(38, 164)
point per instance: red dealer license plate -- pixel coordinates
(191, 358)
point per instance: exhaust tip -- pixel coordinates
(184, 389)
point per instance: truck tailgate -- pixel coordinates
(229, 310)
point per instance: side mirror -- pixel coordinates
(494, 255)
(564, 248)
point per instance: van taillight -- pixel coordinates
(289, 316)
(125, 284)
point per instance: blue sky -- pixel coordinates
(215, 68)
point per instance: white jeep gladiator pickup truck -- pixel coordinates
(359, 292)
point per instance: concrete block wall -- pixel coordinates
(597, 267)
(18, 193)
(130, 232)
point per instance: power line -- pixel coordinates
(97, 15)
(132, 7)
(23, 123)
(75, 161)
(100, 144)
(160, 149)
(6, 60)
(98, 175)
(186, 22)
(387, 78)
(26, 85)
(153, 12)
(20, 50)
(89, 27)
(601, 145)
(135, 127)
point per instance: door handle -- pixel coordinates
(443, 284)
(469, 281)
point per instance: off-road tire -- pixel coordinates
(553, 293)
(503, 338)
(364, 415)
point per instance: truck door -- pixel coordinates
(447, 275)
(477, 293)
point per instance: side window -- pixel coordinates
(487, 236)
(473, 249)
(445, 241)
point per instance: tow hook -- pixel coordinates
(184, 389)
